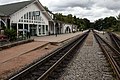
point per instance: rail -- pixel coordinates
(42, 69)
(116, 40)
(113, 55)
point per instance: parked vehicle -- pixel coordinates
(3, 40)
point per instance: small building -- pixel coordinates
(68, 28)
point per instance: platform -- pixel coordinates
(15, 58)
(59, 38)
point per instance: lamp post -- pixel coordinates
(103, 26)
(118, 24)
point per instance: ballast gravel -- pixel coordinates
(89, 64)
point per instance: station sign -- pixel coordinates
(36, 13)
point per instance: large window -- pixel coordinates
(46, 27)
(36, 13)
(43, 28)
(40, 29)
(32, 17)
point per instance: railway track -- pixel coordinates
(111, 53)
(115, 40)
(42, 69)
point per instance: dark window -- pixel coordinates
(43, 29)
(46, 27)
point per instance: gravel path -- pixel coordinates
(88, 64)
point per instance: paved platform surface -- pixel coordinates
(10, 53)
(59, 38)
(39, 41)
(16, 58)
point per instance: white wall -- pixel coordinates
(65, 26)
(31, 7)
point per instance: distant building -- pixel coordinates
(68, 28)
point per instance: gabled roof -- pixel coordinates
(9, 9)
(1, 14)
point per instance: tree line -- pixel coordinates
(109, 23)
(81, 23)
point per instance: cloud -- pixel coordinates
(10, 1)
(91, 9)
(110, 4)
(72, 3)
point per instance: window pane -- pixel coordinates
(27, 15)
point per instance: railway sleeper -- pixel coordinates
(49, 63)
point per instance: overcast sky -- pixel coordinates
(91, 9)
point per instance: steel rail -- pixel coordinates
(115, 39)
(45, 75)
(73, 43)
(110, 57)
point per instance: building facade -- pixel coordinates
(68, 28)
(30, 16)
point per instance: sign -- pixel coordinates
(22, 30)
(36, 13)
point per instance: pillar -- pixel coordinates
(0, 24)
(45, 30)
(17, 30)
(37, 30)
(54, 29)
(23, 29)
(41, 30)
(29, 27)
(49, 29)
(59, 30)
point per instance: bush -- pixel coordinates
(11, 34)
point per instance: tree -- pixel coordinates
(82, 23)
(117, 26)
(118, 17)
(86, 23)
(70, 18)
(105, 23)
(75, 20)
(46, 8)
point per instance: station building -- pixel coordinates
(30, 16)
(68, 28)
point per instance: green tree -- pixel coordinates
(106, 23)
(117, 26)
(46, 8)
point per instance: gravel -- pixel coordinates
(106, 37)
(88, 64)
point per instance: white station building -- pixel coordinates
(29, 16)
